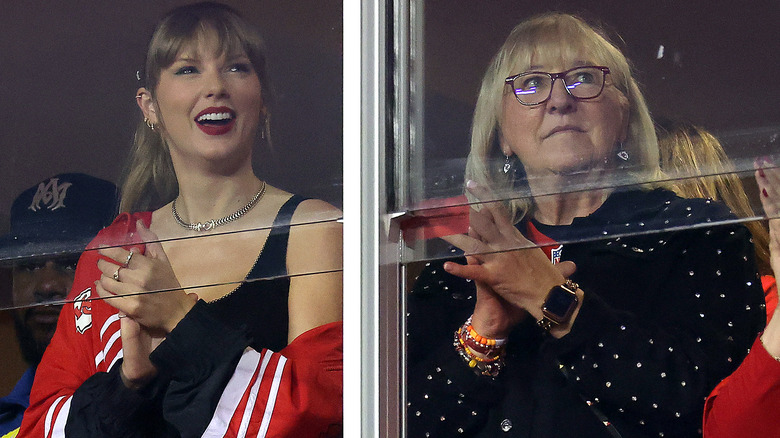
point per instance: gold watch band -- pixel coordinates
(547, 323)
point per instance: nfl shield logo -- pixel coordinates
(555, 254)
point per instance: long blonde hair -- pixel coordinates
(149, 180)
(701, 169)
(554, 34)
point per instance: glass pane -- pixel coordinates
(668, 282)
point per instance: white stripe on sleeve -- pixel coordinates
(233, 393)
(111, 319)
(119, 355)
(250, 404)
(50, 414)
(102, 354)
(269, 407)
(58, 431)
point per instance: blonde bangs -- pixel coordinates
(177, 33)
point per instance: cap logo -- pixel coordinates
(50, 195)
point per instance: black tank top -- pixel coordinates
(259, 304)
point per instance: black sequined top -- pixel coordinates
(665, 316)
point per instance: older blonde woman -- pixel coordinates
(594, 304)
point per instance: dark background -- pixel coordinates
(67, 76)
(68, 85)
(720, 69)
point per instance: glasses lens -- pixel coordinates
(531, 88)
(585, 83)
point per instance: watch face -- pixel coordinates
(559, 304)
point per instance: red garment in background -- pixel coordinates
(770, 295)
(746, 404)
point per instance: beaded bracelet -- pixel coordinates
(480, 344)
(482, 366)
(469, 344)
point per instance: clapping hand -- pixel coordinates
(512, 275)
(149, 298)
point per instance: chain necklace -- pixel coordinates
(212, 223)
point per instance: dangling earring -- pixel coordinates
(266, 126)
(149, 123)
(507, 165)
(622, 153)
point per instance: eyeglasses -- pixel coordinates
(535, 87)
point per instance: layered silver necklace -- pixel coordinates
(214, 223)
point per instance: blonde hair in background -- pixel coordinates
(703, 170)
(557, 36)
(149, 181)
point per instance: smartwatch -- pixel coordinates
(559, 305)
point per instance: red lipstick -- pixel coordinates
(216, 120)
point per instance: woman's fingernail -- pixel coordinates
(447, 266)
(471, 184)
(761, 172)
(766, 195)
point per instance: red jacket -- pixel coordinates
(746, 403)
(295, 392)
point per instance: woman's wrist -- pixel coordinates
(488, 325)
(136, 383)
(186, 305)
(484, 355)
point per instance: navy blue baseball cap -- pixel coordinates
(58, 216)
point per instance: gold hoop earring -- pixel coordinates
(149, 123)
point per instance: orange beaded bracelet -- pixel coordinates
(484, 355)
(481, 344)
(489, 366)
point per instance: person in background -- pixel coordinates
(700, 168)
(745, 404)
(51, 222)
(215, 298)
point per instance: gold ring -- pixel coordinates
(116, 273)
